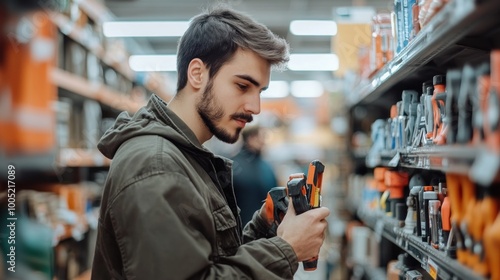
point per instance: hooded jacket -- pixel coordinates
(168, 209)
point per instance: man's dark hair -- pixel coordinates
(215, 35)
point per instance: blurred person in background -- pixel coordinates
(252, 175)
(168, 208)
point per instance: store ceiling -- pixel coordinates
(276, 14)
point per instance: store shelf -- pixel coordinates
(91, 43)
(429, 257)
(455, 159)
(96, 91)
(456, 20)
(153, 82)
(82, 158)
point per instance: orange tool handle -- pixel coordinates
(275, 206)
(315, 182)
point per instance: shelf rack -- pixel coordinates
(456, 159)
(69, 28)
(435, 262)
(457, 19)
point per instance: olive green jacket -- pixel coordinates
(169, 212)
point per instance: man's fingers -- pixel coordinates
(291, 210)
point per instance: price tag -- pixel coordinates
(432, 269)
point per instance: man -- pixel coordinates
(252, 175)
(168, 208)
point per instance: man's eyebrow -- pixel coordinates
(251, 80)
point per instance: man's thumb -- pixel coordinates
(291, 210)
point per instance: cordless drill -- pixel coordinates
(305, 193)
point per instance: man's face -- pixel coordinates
(233, 95)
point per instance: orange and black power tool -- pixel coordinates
(305, 193)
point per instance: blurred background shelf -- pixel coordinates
(82, 158)
(95, 91)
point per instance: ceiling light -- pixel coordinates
(313, 27)
(308, 88)
(150, 63)
(276, 89)
(145, 28)
(313, 62)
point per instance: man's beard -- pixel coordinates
(211, 112)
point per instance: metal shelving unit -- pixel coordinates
(465, 160)
(458, 19)
(432, 260)
(464, 31)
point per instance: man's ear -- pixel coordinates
(196, 73)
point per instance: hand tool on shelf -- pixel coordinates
(478, 105)
(393, 127)
(401, 120)
(434, 228)
(453, 81)
(422, 212)
(428, 196)
(413, 216)
(429, 116)
(468, 88)
(439, 110)
(410, 103)
(420, 133)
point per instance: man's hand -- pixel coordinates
(304, 232)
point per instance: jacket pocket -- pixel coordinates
(227, 231)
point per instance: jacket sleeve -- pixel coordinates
(257, 228)
(163, 230)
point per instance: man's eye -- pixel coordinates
(243, 86)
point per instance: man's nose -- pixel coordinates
(252, 104)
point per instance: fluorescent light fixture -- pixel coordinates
(313, 62)
(276, 89)
(150, 63)
(313, 27)
(145, 28)
(307, 88)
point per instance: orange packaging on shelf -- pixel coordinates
(382, 41)
(395, 179)
(469, 204)
(491, 239)
(379, 175)
(456, 193)
(491, 109)
(27, 120)
(489, 209)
